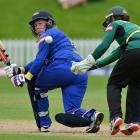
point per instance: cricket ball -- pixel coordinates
(48, 39)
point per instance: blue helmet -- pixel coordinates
(50, 22)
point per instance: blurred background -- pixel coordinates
(78, 22)
(81, 20)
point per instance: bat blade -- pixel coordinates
(3, 56)
(2, 46)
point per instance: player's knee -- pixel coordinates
(41, 99)
(82, 112)
(40, 94)
(75, 117)
(43, 113)
(72, 120)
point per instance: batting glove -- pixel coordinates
(18, 80)
(12, 70)
(83, 66)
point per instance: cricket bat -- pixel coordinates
(6, 61)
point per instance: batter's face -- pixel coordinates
(40, 26)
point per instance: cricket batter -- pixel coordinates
(126, 71)
(50, 70)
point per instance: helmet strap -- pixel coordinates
(49, 24)
(108, 21)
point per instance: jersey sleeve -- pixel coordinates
(107, 40)
(41, 56)
(26, 68)
(109, 59)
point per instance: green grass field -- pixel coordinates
(15, 105)
(79, 22)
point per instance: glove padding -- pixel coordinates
(83, 66)
(18, 80)
(12, 70)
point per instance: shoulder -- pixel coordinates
(53, 31)
(113, 25)
(121, 22)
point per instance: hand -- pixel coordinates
(18, 80)
(83, 66)
(12, 70)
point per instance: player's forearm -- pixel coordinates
(111, 58)
(28, 66)
(101, 48)
(38, 62)
(25, 68)
(99, 51)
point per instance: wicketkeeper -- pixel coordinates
(126, 71)
(50, 70)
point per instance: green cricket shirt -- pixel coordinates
(125, 33)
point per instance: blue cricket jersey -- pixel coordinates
(51, 69)
(61, 47)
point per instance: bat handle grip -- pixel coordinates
(8, 63)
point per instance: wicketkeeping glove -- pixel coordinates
(18, 80)
(83, 66)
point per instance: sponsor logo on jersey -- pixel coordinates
(108, 28)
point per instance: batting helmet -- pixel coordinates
(116, 12)
(50, 22)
